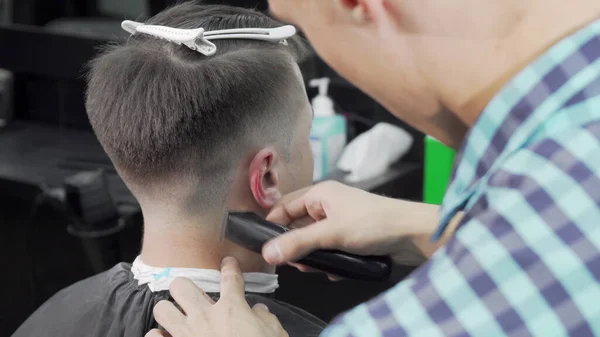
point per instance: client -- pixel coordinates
(192, 136)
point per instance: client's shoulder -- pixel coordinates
(100, 283)
(92, 307)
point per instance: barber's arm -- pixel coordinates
(423, 242)
(354, 221)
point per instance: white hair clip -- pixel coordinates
(199, 40)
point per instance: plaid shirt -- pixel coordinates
(525, 261)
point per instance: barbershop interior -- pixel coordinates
(66, 213)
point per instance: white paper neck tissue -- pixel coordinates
(371, 154)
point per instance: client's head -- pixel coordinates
(192, 135)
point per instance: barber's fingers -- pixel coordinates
(157, 333)
(283, 214)
(232, 281)
(168, 316)
(188, 295)
(289, 211)
(297, 243)
(260, 308)
(262, 311)
(305, 269)
(280, 215)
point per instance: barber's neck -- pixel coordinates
(174, 239)
(473, 71)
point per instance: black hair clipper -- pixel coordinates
(250, 231)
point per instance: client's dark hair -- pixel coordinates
(163, 111)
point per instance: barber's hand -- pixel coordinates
(342, 218)
(230, 316)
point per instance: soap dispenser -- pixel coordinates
(328, 133)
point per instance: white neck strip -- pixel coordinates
(159, 279)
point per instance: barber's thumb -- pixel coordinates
(295, 244)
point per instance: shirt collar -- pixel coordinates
(513, 115)
(159, 279)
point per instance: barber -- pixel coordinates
(523, 78)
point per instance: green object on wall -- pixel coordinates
(439, 160)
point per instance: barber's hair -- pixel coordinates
(163, 111)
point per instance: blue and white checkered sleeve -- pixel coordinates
(525, 261)
(448, 296)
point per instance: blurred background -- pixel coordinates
(51, 165)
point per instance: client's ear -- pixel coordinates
(366, 10)
(264, 178)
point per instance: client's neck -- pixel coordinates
(186, 242)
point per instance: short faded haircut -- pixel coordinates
(162, 111)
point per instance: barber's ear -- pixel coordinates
(264, 178)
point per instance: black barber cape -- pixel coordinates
(111, 304)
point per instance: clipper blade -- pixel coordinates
(249, 230)
(223, 226)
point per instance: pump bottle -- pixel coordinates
(328, 133)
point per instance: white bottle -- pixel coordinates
(328, 133)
